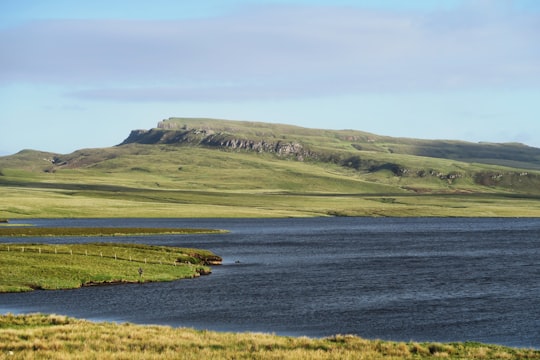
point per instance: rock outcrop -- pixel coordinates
(210, 138)
(208, 259)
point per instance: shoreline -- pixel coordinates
(98, 264)
(268, 333)
(75, 336)
(119, 283)
(31, 231)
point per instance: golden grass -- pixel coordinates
(59, 337)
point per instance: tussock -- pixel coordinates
(58, 337)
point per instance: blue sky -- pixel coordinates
(80, 74)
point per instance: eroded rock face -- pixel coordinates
(208, 137)
(208, 260)
(280, 148)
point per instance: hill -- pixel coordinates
(206, 167)
(323, 144)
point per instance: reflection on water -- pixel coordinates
(400, 279)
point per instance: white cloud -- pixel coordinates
(277, 52)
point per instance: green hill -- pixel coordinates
(207, 167)
(322, 144)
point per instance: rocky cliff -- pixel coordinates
(360, 151)
(168, 133)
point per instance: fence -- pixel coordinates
(101, 252)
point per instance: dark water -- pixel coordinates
(416, 279)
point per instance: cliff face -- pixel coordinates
(211, 138)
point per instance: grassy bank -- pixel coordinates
(41, 266)
(97, 231)
(59, 337)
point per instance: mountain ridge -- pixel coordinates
(287, 140)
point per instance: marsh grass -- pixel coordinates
(26, 267)
(60, 337)
(100, 231)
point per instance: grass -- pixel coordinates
(22, 202)
(193, 180)
(172, 181)
(99, 231)
(352, 174)
(332, 141)
(26, 267)
(60, 337)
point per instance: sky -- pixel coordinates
(83, 74)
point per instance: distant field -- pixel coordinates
(38, 202)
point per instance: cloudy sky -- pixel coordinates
(79, 74)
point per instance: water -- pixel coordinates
(418, 279)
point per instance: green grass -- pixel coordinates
(194, 180)
(351, 173)
(99, 231)
(334, 141)
(60, 337)
(41, 266)
(22, 202)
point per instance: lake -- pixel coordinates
(420, 279)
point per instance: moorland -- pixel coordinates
(215, 168)
(218, 168)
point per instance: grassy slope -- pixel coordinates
(39, 336)
(507, 154)
(136, 180)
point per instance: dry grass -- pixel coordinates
(59, 337)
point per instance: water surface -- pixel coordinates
(421, 279)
